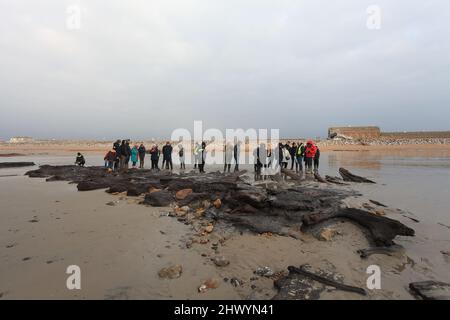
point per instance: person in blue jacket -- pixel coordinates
(134, 156)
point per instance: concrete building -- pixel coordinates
(371, 132)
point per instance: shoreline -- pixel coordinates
(66, 148)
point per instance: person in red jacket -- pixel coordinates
(110, 159)
(310, 153)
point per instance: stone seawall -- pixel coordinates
(416, 135)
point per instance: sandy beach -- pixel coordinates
(120, 245)
(95, 147)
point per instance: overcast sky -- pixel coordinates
(140, 69)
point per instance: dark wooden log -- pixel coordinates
(348, 176)
(382, 229)
(291, 174)
(319, 178)
(257, 208)
(11, 155)
(335, 180)
(431, 290)
(192, 197)
(326, 281)
(378, 203)
(161, 198)
(4, 165)
(365, 253)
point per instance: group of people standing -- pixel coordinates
(122, 153)
(119, 157)
(295, 154)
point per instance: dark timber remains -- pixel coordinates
(281, 208)
(16, 164)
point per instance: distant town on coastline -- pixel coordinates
(338, 133)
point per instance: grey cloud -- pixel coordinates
(144, 68)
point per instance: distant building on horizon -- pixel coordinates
(350, 132)
(21, 139)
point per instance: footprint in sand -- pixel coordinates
(54, 260)
(119, 293)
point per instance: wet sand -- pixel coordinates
(47, 226)
(120, 249)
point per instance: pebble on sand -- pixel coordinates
(209, 284)
(171, 272)
(220, 261)
(327, 234)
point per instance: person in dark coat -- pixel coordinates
(236, 154)
(293, 151)
(127, 143)
(116, 147)
(141, 151)
(154, 157)
(203, 157)
(79, 160)
(316, 160)
(125, 152)
(181, 156)
(167, 155)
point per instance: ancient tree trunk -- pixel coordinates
(348, 176)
